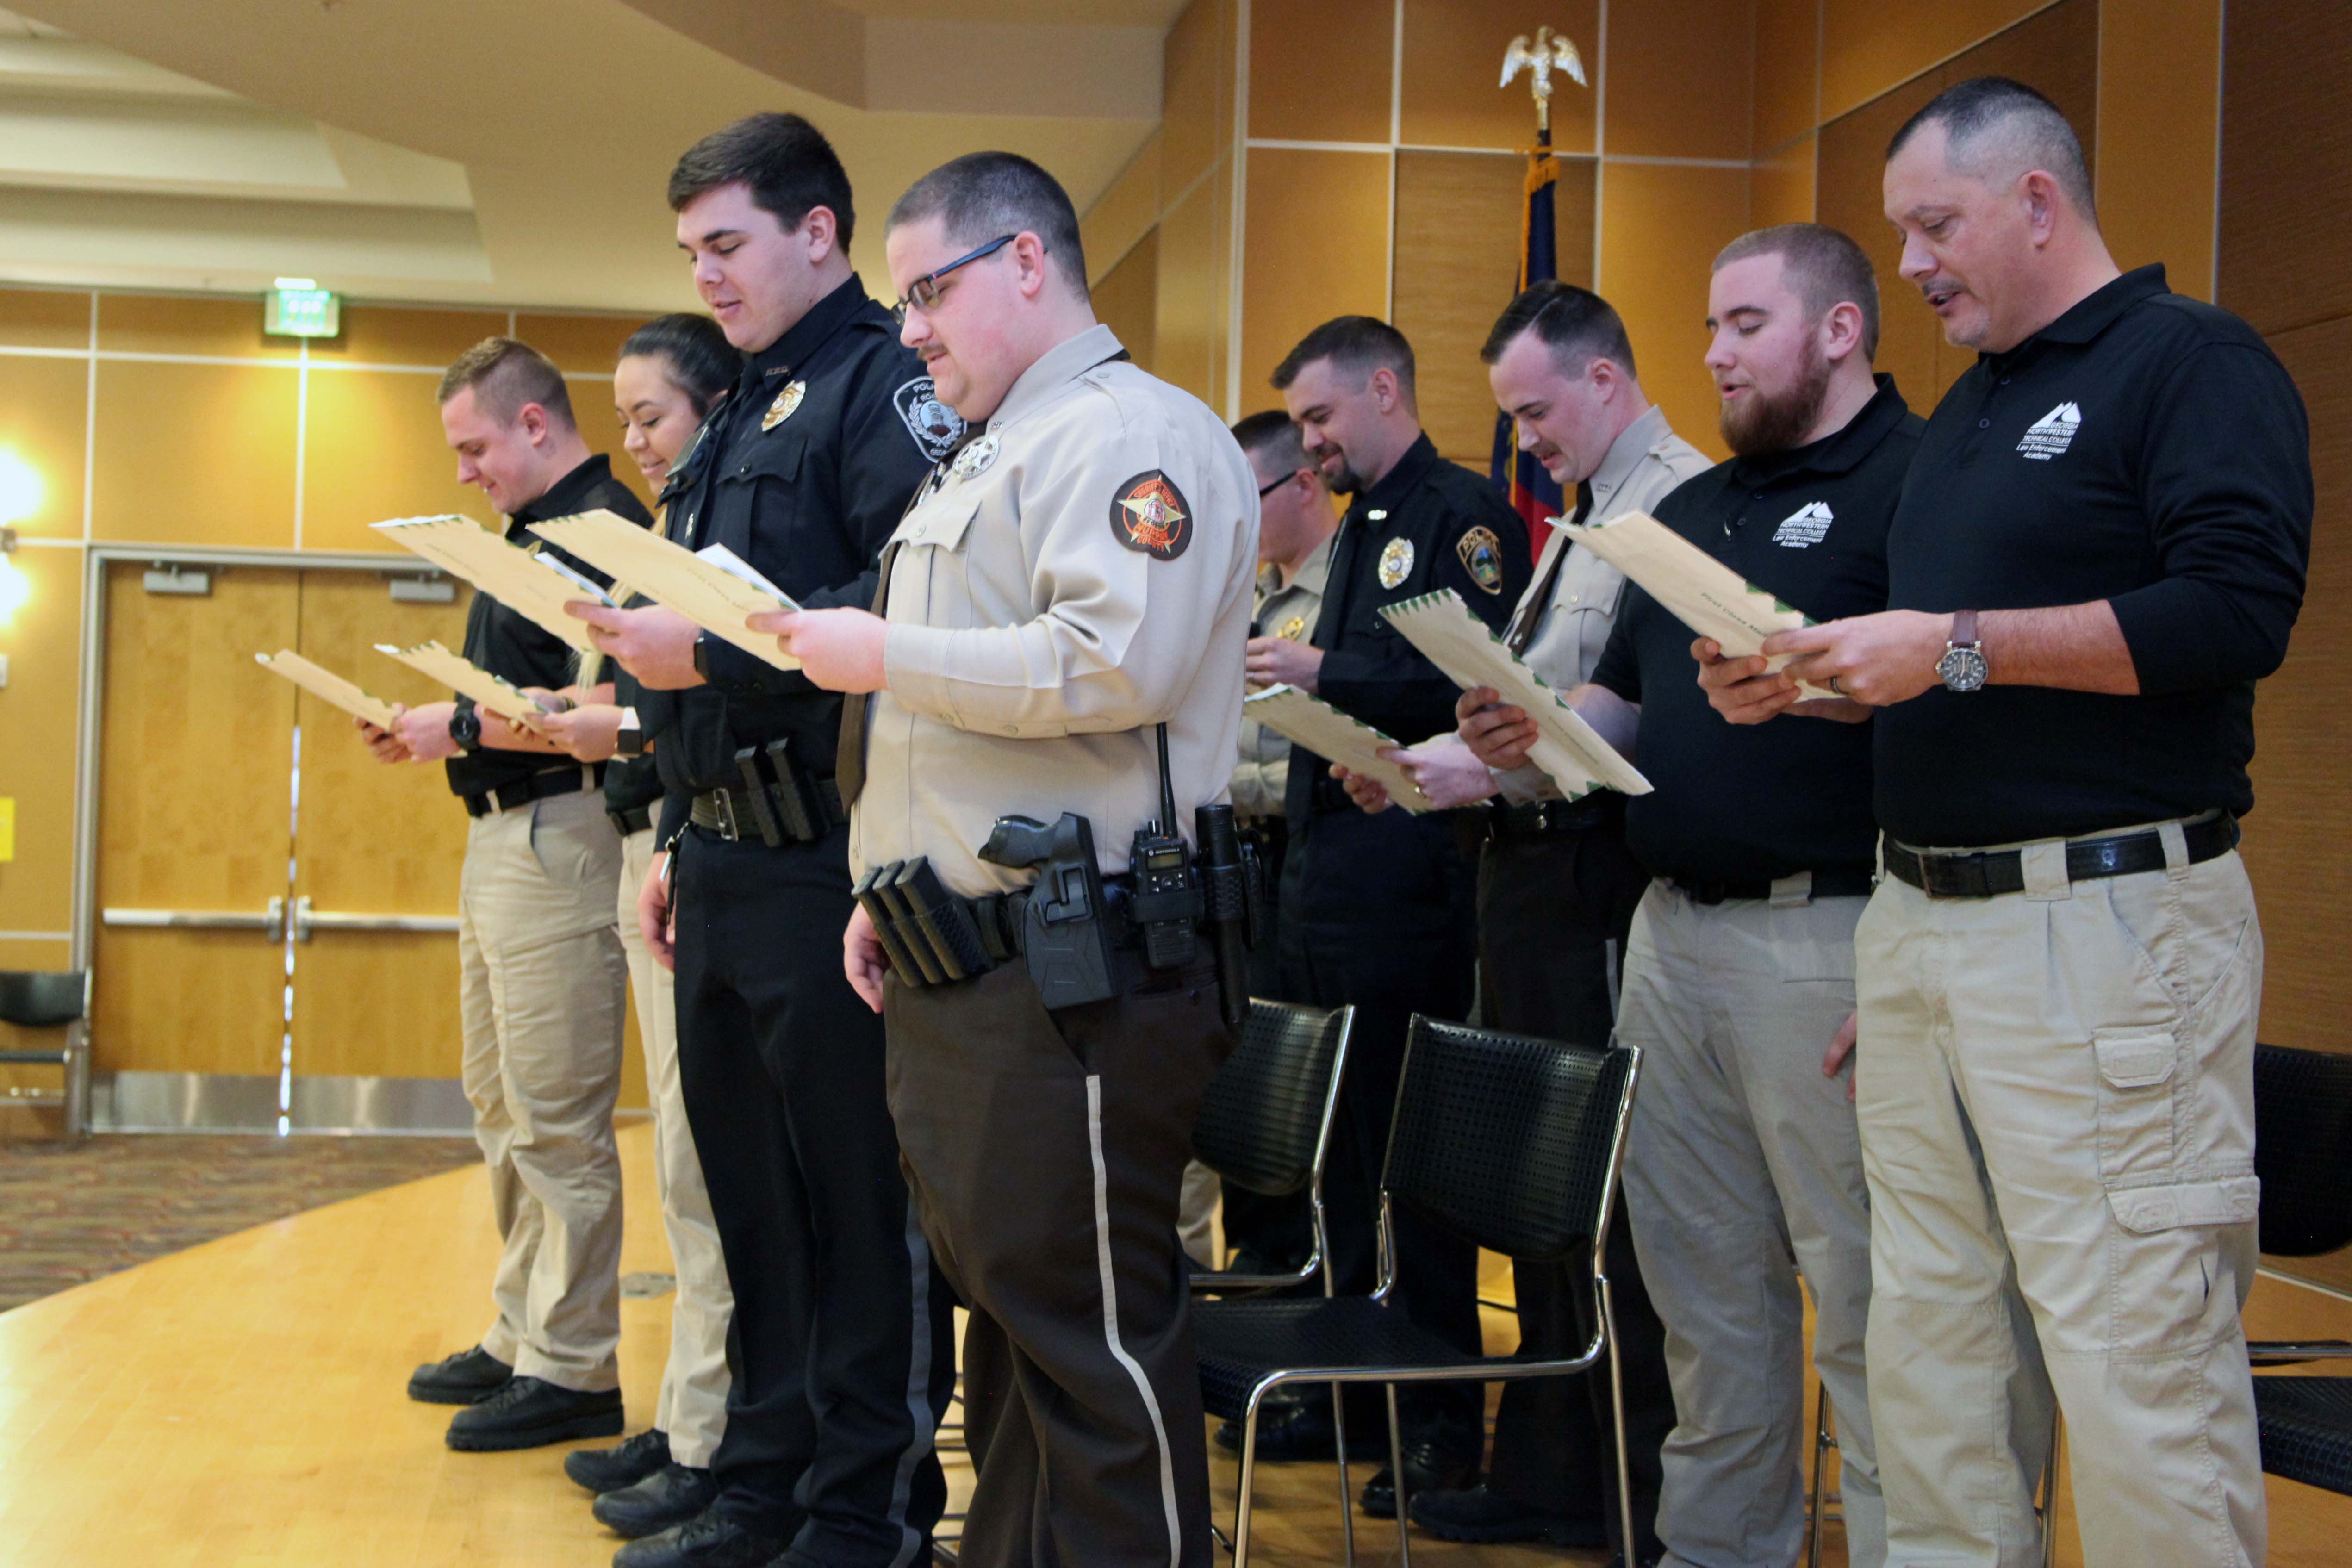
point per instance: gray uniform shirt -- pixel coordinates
(1264, 771)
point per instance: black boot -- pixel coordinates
(671, 1495)
(603, 1470)
(1427, 1467)
(709, 1540)
(1482, 1516)
(530, 1412)
(461, 1379)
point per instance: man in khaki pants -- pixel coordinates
(2101, 548)
(541, 976)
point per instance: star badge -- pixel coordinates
(976, 457)
(1150, 515)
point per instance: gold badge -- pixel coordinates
(976, 457)
(782, 408)
(1292, 628)
(1481, 550)
(1396, 563)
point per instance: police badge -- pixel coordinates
(1292, 629)
(934, 427)
(974, 458)
(1481, 550)
(787, 403)
(1396, 563)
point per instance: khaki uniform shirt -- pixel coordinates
(1264, 771)
(1050, 605)
(1572, 623)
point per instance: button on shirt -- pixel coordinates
(1048, 607)
(509, 644)
(2144, 448)
(1284, 610)
(1426, 524)
(1561, 633)
(1755, 802)
(806, 488)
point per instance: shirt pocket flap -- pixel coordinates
(2135, 1058)
(939, 527)
(777, 458)
(1588, 582)
(2233, 1200)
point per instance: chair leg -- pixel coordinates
(1821, 1465)
(1346, 1492)
(1628, 1536)
(1249, 1473)
(1396, 1475)
(76, 1108)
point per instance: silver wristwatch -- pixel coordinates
(1963, 664)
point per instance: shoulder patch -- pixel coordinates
(934, 427)
(1481, 550)
(1150, 515)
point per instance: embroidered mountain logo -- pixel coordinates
(1805, 525)
(2052, 432)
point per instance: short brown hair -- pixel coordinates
(1824, 267)
(507, 377)
(783, 161)
(1578, 325)
(1356, 346)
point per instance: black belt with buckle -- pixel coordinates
(1842, 884)
(537, 786)
(736, 814)
(1535, 818)
(636, 819)
(1985, 874)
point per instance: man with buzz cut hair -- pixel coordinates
(2101, 548)
(541, 975)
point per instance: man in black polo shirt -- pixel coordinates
(1743, 1156)
(2101, 548)
(542, 975)
(842, 1330)
(1380, 911)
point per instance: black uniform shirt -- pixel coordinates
(808, 502)
(634, 782)
(1754, 802)
(512, 644)
(2144, 448)
(1427, 524)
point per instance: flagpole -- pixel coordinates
(1516, 473)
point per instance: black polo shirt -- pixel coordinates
(1752, 803)
(2144, 448)
(1427, 524)
(807, 487)
(512, 644)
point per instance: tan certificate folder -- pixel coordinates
(1333, 735)
(530, 585)
(326, 686)
(714, 589)
(492, 693)
(1703, 593)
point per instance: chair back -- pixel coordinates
(1507, 1141)
(43, 998)
(2303, 1149)
(1267, 1113)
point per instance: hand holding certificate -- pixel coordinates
(533, 585)
(1703, 593)
(1567, 749)
(327, 686)
(714, 589)
(1330, 733)
(491, 693)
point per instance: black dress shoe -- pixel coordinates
(603, 1470)
(671, 1495)
(1425, 1469)
(1300, 1428)
(1482, 1516)
(709, 1540)
(461, 1379)
(530, 1412)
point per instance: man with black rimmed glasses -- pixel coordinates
(842, 1356)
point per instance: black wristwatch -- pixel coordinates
(629, 739)
(702, 654)
(466, 727)
(1963, 665)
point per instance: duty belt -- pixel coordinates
(779, 802)
(636, 819)
(537, 786)
(1843, 884)
(1984, 874)
(934, 937)
(1535, 818)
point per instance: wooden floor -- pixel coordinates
(241, 1403)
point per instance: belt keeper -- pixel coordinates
(2043, 867)
(2175, 839)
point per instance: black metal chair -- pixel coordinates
(2303, 1152)
(51, 999)
(1510, 1143)
(1266, 1122)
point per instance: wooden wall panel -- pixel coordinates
(1196, 86)
(44, 317)
(181, 324)
(375, 450)
(2056, 53)
(1781, 188)
(579, 344)
(38, 715)
(1127, 300)
(2159, 85)
(1660, 225)
(400, 335)
(44, 412)
(1678, 79)
(1190, 323)
(194, 454)
(1123, 214)
(1457, 255)
(2295, 847)
(1787, 76)
(2286, 163)
(1454, 53)
(1315, 246)
(1319, 69)
(1868, 45)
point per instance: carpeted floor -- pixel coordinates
(73, 1212)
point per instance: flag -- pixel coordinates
(1521, 478)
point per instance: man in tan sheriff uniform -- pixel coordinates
(1078, 574)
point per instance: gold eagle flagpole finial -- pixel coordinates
(1549, 53)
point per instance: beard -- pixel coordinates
(1778, 422)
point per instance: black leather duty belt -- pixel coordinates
(1985, 874)
(736, 814)
(940, 938)
(537, 786)
(1535, 818)
(1845, 884)
(636, 819)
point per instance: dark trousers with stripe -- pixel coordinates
(841, 1342)
(1045, 1150)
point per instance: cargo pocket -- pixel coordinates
(2143, 1211)
(2138, 1073)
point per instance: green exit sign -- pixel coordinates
(297, 307)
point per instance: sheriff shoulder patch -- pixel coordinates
(1482, 556)
(1150, 515)
(934, 427)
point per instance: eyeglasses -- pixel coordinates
(1265, 490)
(925, 292)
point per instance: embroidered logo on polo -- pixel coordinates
(2052, 434)
(1481, 550)
(934, 427)
(1150, 515)
(1804, 526)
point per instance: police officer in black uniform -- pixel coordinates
(1379, 910)
(841, 1333)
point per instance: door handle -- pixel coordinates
(308, 919)
(270, 920)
